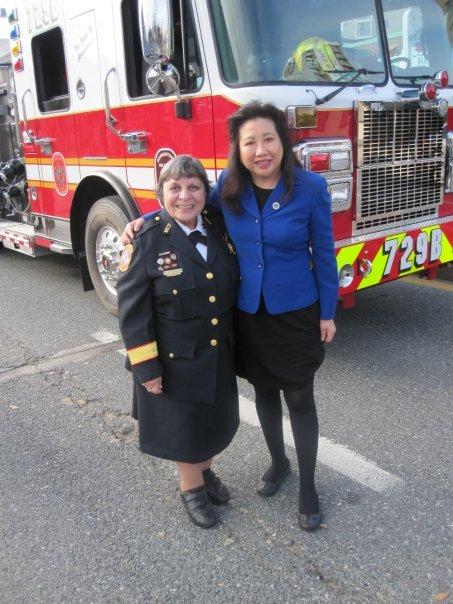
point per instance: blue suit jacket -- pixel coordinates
(286, 251)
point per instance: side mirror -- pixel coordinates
(157, 39)
(156, 30)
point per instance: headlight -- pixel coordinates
(340, 192)
(346, 275)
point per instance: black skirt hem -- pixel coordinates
(278, 384)
(183, 458)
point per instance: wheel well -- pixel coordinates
(91, 189)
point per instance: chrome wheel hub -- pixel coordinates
(108, 250)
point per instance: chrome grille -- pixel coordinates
(401, 157)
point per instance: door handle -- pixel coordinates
(45, 145)
(136, 141)
(27, 130)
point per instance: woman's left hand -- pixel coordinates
(327, 329)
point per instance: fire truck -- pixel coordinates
(107, 92)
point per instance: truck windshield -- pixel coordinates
(294, 41)
(420, 38)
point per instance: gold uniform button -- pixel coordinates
(157, 218)
(209, 276)
(175, 291)
(213, 342)
(171, 355)
(212, 299)
(214, 321)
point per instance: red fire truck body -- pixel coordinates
(107, 92)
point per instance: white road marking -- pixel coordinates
(108, 336)
(335, 456)
(105, 336)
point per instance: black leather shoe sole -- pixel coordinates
(198, 507)
(310, 522)
(267, 489)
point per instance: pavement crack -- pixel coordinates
(61, 359)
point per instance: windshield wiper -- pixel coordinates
(357, 73)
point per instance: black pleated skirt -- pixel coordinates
(279, 351)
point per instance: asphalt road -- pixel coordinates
(86, 517)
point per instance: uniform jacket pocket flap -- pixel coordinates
(176, 350)
(173, 285)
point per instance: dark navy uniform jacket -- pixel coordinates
(175, 308)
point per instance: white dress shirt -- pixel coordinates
(203, 249)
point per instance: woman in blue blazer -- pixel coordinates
(279, 219)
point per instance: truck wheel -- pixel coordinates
(105, 223)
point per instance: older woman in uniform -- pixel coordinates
(176, 291)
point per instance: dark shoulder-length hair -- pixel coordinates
(238, 176)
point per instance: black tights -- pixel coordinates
(304, 424)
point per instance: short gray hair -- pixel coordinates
(182, 166)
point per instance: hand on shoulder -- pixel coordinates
(131, 229)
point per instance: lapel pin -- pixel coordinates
(276, 205)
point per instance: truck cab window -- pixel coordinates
(50, 71)
(186, 56)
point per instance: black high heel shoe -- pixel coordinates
(267, 489)
(309, 522)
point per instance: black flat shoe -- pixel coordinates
(217, 492)
(198, 507)
(309, 522)
(267, 489)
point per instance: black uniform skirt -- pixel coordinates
(279, 351)
(189, 432)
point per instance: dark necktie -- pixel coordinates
(197, 237)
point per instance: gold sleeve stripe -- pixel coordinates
(142, 353)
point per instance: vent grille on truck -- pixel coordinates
(401, 158)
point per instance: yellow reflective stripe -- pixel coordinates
(348, 255)
(142, 353)
(145, 193)
(379, 263)
(447, 250)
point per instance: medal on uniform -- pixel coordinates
(168, 263)
(229, 244)
(126, 257)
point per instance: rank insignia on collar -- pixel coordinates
(126, 257)
(167, 228)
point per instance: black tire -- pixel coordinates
(106, 217)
